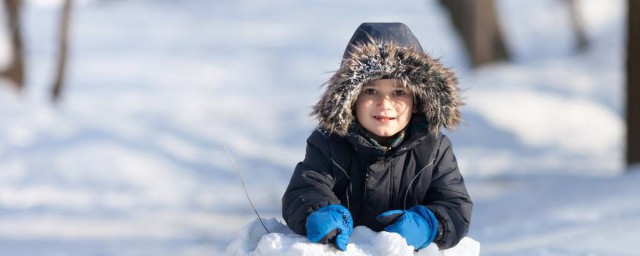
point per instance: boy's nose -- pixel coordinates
(385, 101)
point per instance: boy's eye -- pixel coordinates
(369, 91)
(399, 93)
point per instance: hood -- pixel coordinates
(389, 51)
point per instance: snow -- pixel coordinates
(132, 161)
(281, 241)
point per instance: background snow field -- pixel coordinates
(131, 162)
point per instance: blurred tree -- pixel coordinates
(633, 82)
(582, 44)
(14, 72)
(477, 22)
(62, 50)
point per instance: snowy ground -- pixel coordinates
(281, 241)
(132, 162)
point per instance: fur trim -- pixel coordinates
(434, 86)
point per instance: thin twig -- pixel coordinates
(245, 188)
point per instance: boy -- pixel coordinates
(388, 167)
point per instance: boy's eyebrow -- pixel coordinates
(399, 84)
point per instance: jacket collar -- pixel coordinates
(414, 133)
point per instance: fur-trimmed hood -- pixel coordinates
(389, 50)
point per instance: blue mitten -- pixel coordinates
(417, 225)
(330, 224)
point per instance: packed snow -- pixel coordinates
(131, 162)
(281, 241)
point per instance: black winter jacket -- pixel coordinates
(352, 172)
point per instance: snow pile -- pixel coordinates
(254, 240)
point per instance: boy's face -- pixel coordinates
(384, 107)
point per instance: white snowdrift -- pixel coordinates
(254, 240)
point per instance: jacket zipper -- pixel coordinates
(406, 193)
(348, 181)
(366, 179)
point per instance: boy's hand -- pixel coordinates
(417, 225)
(330, 224)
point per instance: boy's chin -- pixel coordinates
(384, 133)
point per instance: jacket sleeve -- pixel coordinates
(311, 184)
(448, 199)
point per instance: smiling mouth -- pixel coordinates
(384, 118)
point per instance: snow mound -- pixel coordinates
(254, 240)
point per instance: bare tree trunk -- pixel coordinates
(633, 83)
(62, 51)
(15, 70)
(477, 22)
(582, 44)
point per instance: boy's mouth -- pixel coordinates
(384, 118)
